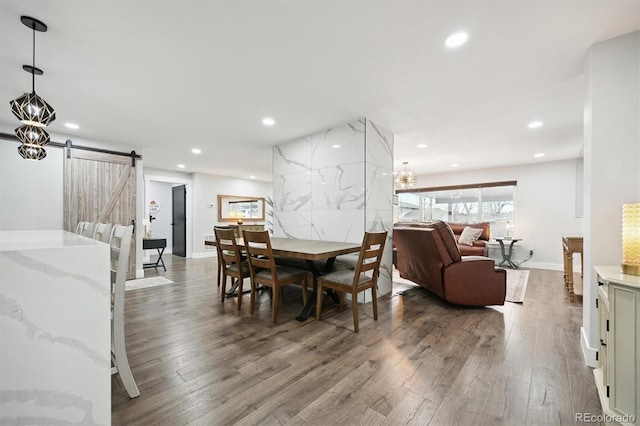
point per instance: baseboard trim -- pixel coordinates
(547, 266)
(588, 352)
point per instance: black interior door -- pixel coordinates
(179, 220)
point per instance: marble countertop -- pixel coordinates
(613, 274)
(45, 239)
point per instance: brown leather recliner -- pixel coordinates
(429, 256)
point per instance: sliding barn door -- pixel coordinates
(100, 188)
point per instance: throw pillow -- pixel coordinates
(469, 235)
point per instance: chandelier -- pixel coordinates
(406, 178)
(33, 111)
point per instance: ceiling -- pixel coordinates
(163, 77)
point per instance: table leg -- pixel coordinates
(509, 261)
(570, 271)
(310, 306)
(158, 262)
(160, 253)
(564, 262)
(504, 256)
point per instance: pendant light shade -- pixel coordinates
(32, 135)
(33, 110)
(30, 152)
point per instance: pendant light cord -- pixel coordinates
(33, 70)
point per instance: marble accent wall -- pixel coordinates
(55, 329)
(334, 185)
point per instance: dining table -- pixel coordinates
(318, 256)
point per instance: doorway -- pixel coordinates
(179, 220)
(161, 224)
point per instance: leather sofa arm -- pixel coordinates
(485, 246)
(475, 281)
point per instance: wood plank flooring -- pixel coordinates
(200, 362)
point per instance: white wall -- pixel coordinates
(31, 193)
(160, 192)
(612, 162)
(545, 206)
(206, 189)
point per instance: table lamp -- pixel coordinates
(631, 239)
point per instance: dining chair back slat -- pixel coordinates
(102, 232)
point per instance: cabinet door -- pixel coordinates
(624, 345)
(603, 316)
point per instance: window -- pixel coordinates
(489, 202)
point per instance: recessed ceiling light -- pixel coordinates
(422, 145)
(268, 121)
(535, 124)
(384, 174)
(335, 146)
(252, 177)
(539, 155)
(457, 39)
(181, 166)
(196, 151)
(455, 165)
(72, 126)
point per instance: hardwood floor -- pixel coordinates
(199, 362)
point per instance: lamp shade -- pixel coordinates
(33, 110)
(32, 152)
(631, 239)
(32, 135)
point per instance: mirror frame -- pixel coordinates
(224, 199)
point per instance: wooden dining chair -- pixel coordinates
(264, 270)
(102, 232)
(230, 261)
(120, 242)
(363, 277)
(235, 230)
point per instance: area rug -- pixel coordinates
(516, 285)
(146, 282)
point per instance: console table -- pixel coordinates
(571, 245)
(155, 243)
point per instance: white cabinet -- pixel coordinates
(618, 373)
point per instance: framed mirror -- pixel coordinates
(237, 208)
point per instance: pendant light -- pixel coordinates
(33, 111)
(406, 178)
